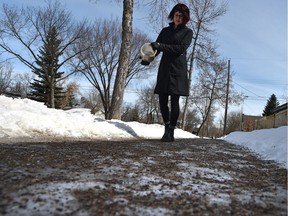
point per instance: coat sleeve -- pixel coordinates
(176, 49)
(159, 39)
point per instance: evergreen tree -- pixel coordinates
(272, 103)
(46, 88)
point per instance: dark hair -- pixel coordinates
(181, 8)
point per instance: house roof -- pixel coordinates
(279, 108)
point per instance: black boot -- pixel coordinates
(166, 130)
(169, 135)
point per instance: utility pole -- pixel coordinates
(227, 98)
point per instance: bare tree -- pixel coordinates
(193, 121)
(99, 63)
(131, 113)
(149, 105)
(21, 84)
(209, 89)
(234, 122)
(93, 102)
(5, 76)
(205, 13)
(24, 30)
(158, 13)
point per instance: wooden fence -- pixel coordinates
(272, 121)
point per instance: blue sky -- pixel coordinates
(253, 34)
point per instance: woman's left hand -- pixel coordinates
(155, 45)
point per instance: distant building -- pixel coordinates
(248, 122)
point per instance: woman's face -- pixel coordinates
(178, 18)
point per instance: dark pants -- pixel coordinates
(175, 110)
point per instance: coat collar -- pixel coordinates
(182, 26)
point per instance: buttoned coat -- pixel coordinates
(172, 77)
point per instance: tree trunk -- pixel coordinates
(51, 97)
(186, 104)
(205, 118)
(122, 70)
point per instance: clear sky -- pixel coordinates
(253, 34)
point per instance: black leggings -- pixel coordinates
(175, 110)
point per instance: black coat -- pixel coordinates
(172, 75)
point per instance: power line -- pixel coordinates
(265, 82)
(260, 59)
(249, 90)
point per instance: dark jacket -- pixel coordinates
(172, 75)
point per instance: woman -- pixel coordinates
(172, 78)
